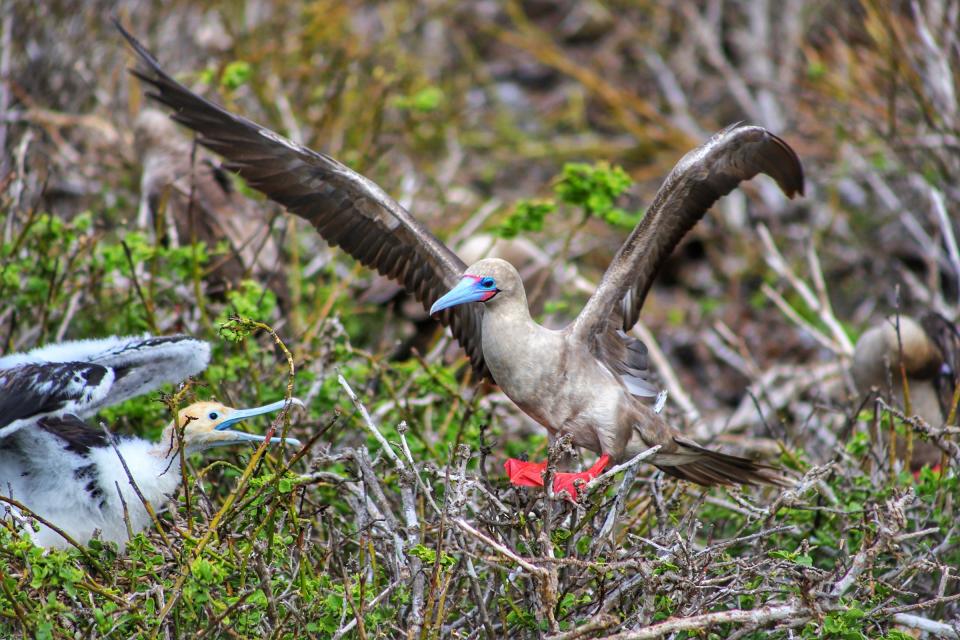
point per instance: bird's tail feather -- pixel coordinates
(706, 467)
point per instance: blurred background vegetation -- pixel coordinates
(550, 121)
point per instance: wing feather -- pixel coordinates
(346, 208)
(80, 377)
(700, 178)
(31, 390)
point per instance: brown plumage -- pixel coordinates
(946, 335)
(587, 380)
(347, 209)
(569, 388)
(930, 353)
(702, 177)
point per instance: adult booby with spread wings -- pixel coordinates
(587, 380)
(68, 472)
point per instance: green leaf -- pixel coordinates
(527, 216)
(235, 75)
(424, 101)
(593, 188)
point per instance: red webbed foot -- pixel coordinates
(530, 474)
(567, 482)
(525, 474)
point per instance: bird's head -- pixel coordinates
(208, 424)
(484, 281)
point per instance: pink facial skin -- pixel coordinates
(488, 294)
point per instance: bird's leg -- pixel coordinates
(485, 449)
(530, 474)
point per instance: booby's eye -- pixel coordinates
(487, 283)
(213, 415)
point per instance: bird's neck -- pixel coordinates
(508, 310)
(512, 343)
(166, 447)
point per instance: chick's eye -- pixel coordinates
(487, 282)
(214, 415)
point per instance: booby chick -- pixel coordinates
(589, 379)
(68, 472)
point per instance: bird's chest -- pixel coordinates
(521, 368)
(547, 380)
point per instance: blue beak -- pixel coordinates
(468, 290)
(242, 414)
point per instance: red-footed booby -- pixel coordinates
(587, 380)
(929, 351)
(69, 473)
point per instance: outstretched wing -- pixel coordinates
(346, 208)
(28, 391)
(82, 376)
(142, 364)
(701, 178)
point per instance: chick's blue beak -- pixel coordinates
(468, 290)
(239, 415)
